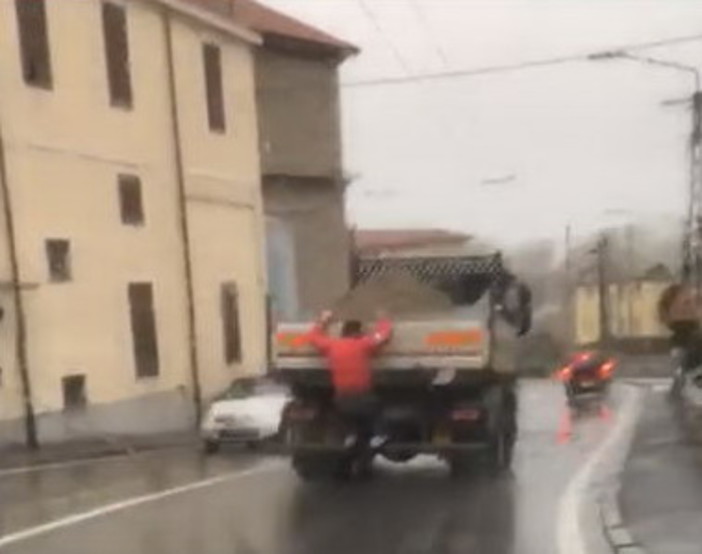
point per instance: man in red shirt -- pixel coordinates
(349, 359)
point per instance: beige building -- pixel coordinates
(633, 309)
(132, 234)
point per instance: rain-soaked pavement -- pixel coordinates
(410, 509)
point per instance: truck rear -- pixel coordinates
(444, 384)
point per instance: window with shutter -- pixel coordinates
(213, 87)
(114, 23)
(230, 323)
(144, 335)
(58, 254)
(74, 393)
(34, 43)
(130, 201)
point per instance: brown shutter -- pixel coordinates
(131, 206)
(213, 87)
(114, 22)
(230, 323)
(144, 335)
(34, 42)
(58, 254)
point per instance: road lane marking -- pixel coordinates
(107, 509)
(610, 452)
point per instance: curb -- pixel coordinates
(615, 530)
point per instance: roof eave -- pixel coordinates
(306, 47)
(213, 20)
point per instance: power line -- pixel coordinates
(421, 16)
(518, 66)
(390, 44)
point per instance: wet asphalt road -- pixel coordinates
(409, 509)
(662, 481)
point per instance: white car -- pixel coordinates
(248, 412)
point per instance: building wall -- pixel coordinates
(300, 142)
(633, 311)
(313, 213)
(299, 115)
(223, 185)
(64, 149)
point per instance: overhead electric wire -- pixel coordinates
(421, 16)
(517, 66)
(379, 29)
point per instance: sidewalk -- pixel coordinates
(661, 494)
(18, 456)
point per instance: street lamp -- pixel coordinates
(691, 266)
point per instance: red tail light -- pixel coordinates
(565, 373)
(607, 368)
(465, 414)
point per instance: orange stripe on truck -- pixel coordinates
(454, 338)
(292, 340)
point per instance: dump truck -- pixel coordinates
(445, 383)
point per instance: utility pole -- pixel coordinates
(691, 271)
(631, 261)
(567, 290)
(693, 239)
(603, 290)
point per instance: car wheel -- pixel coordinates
(253, 445)
(210, 447)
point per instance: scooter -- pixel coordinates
(587, 378)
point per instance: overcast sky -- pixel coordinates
(516, 155)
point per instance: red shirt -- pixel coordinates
(349, 358)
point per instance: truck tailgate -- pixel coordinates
(456, 344)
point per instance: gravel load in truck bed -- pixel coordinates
(398, 293)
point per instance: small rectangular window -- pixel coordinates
(74, 394)
(213, 87)
(34, 43)
(130, 203)
(114, 24)
(58, 254)
(230, 323)
(144, 336)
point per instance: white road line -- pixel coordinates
(107, 509)
(611, 451)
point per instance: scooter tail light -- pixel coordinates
(607, 368)
(565, 373)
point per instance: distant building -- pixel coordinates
(297, 90)
(381, 243)
(633, 308)
(131, 226)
